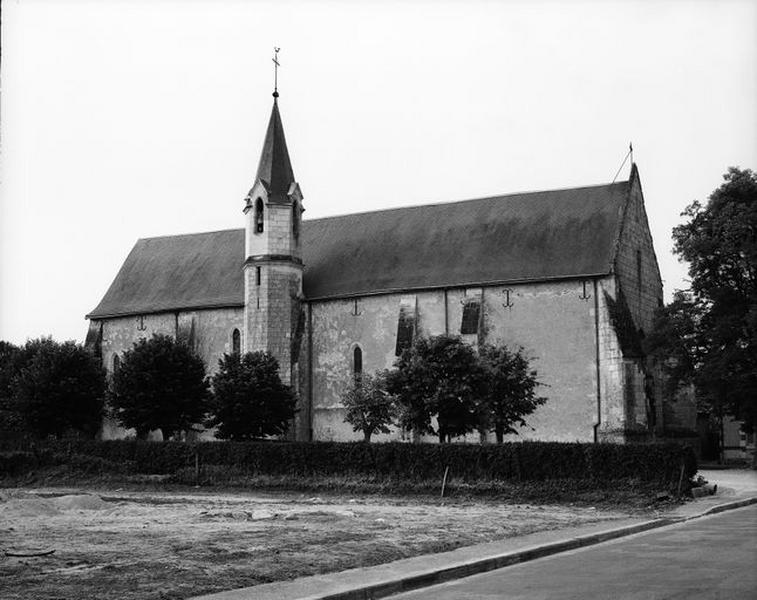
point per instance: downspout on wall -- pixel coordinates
(310, 373)
(596, 361)
(446, 312)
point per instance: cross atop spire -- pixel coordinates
(276, 71)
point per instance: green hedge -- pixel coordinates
(14, 464)
(518, 461)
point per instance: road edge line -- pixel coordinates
(490, 563)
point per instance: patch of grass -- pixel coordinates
(630, 494)
(626, 492)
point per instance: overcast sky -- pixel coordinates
(123, 120)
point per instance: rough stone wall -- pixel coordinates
(636, 295)
(281, 238)
(272, 311)
(554, 322)
(620, 377)
(277, 236)
(210, 330)
(643, 294)
(301, 377)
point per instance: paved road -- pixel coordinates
(710, 557)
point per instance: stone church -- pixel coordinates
(570, 275)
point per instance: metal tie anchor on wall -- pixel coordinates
(584, 295)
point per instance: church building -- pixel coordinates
(570, 275)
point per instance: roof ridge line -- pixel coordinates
(175, 235)
(479, 199)
(394, 208)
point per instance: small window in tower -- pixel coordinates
(296, 220)
(116, 363)
(257, 275)
(357, 363)
(259, 216)
(638, 269)
(236, 345)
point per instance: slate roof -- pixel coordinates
(520, 237)
(201, 270)
(275, 167)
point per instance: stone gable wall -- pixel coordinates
(645, 295)
(631, 382)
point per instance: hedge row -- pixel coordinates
(518, 461)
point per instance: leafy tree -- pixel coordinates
(9, 367)
(249, 399)
(510, 391)
(370, 408)
(12, 359)
(160, 384)
(675, 340)
(438, 376)
(57, 388)
(710, 333)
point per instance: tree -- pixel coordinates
(12, 359)
(510, 391)
(438, 376)
(370, 408)
(57, 388)
(711, 332)
(675, 341)
(160, 384)
(9, 359)
(720, 244)
(249, 399)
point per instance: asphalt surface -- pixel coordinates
(709, 557)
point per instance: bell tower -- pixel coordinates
(273, 257)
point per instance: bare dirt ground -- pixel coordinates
(129, 545)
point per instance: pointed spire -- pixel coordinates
(275, 168)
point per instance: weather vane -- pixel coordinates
(276, 72)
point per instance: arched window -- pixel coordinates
(116, 363)
(357, 363)
(236, 346)
(258, 216)
(296, 220)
